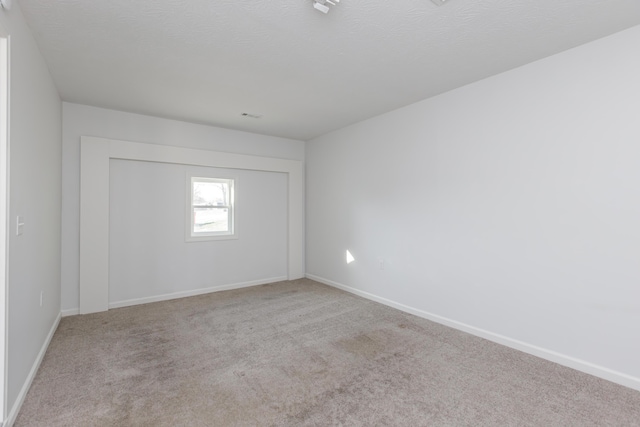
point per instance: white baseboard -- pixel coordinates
(183, 294)
(15, 409)
(70, 312)
(561, 359)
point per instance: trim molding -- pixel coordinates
(184, 294)
(552, 356)
(70, 312)
(11, 417)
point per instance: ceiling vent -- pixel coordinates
(323, 5)
(251, 116)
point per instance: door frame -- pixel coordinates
(4, 213)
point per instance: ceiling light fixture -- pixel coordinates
(439, 2)
(323, 5)
(6, 4)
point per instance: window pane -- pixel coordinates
(210, 193)
(211, 209)
(210, 219)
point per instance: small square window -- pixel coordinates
(211, 209)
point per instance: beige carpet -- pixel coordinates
(301, 354)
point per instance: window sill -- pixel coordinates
(192, 239)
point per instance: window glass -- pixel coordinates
(211, 207)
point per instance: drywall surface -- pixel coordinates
(510, 205)
(79, 120)
(148, 254)
(35, 145)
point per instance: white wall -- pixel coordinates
(148, 255)
(511, 205)
(79, 120)
(35, 193)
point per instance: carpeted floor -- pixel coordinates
(301, 354)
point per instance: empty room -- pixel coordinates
(319, 213)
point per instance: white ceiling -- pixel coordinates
(208, 61)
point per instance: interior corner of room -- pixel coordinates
(506, 207)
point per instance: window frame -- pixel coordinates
(193, 236)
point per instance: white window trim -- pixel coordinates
(189, 235)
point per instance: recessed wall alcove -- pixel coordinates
(95, 154)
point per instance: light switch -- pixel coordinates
(19, 225)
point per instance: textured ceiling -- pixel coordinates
(306, 73)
